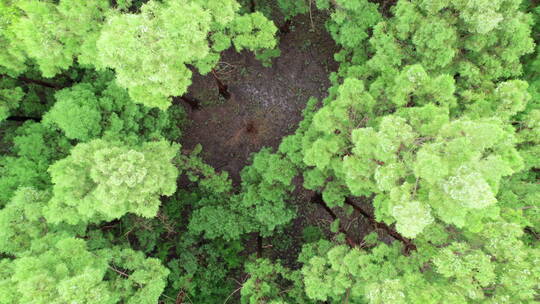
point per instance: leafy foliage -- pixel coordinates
(430, 134)
(53, 35)
(260, 205)
(34, 149)
(68, 272)
(143, 48)
(104, 180)
(98, 108)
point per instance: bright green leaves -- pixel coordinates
(253, 32)
(469, 189)
(430, 166)
(143, 48)
(411, 218)
(387, 291)
(459, 172)
(99, 109)
(414, 85)
(266, 185)
(472, 269)
(491, 268)
(512, 97)
(12, 57)
(435, 41)
(104, 180)
(76, 113)
(64, 270)
(54, 35)
(35, 148)
(259, 206)
(482, 16)
(10, 97)
(455, 272)
(478, 41)
(350, 21)
(419, 163)
(21, 220)
(144, 279)
(326, 139)
(293, 8)
(265, 283)
(339, 272)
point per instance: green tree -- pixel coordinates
(103, 180)
(55, 34)
(10, 97)
(12, 57)
(97, 108)
(144, 48)
(260, 206)
(63, 269)
(34, 149)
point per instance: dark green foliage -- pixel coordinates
(34, 149)
(260, 206)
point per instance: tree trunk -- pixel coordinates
(259, 245)
(193, 103)
(23, 118)
(317, 199)
(223, 89)
(285, 28)
(41, 83)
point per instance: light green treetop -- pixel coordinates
(104, 180)
(151, 51)
(54, 35)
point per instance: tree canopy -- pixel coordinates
(414, 178)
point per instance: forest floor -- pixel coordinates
(266, 104)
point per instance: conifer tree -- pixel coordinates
(54, 35)
(97, 108)
(102, 180)
(143, 48)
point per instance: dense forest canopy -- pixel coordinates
(416, 179)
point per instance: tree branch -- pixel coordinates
(407, 242)
(317, 199)
(223, 88)
(23, 118)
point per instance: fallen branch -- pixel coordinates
(119, 272)
(41, 83)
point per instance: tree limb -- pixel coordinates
(407, 242)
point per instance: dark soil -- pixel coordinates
(266, 102)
